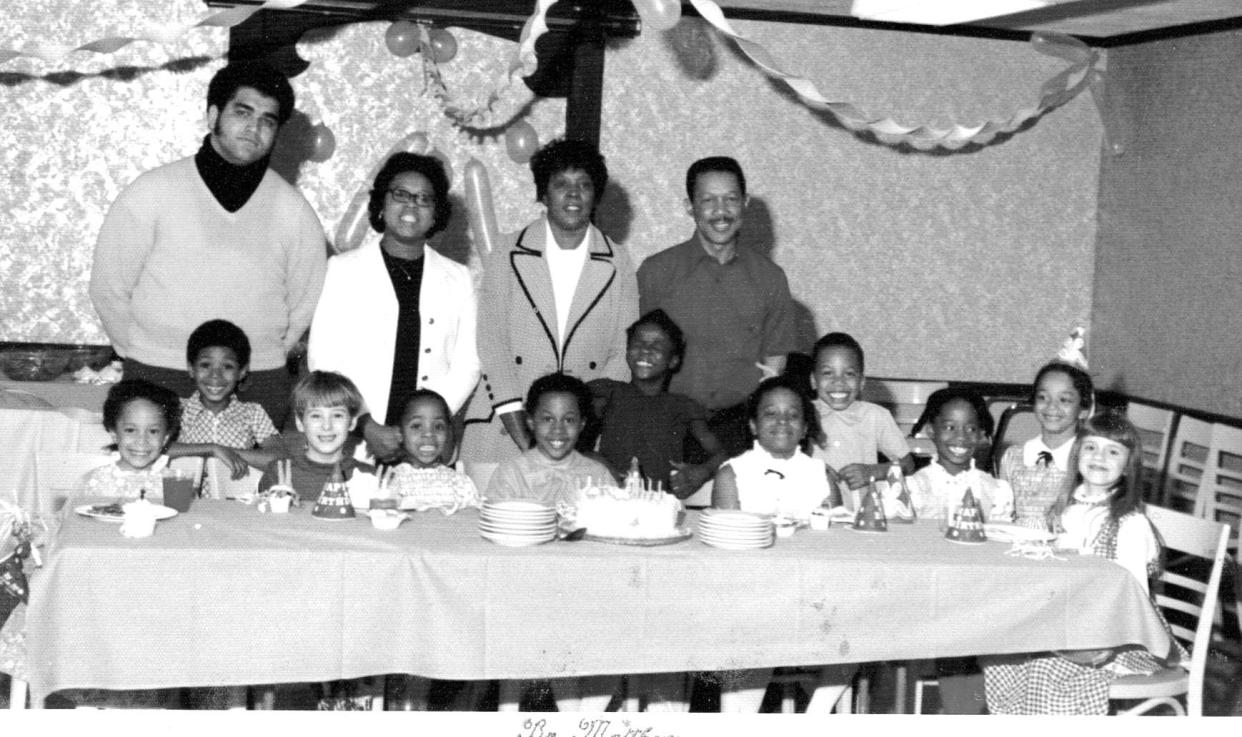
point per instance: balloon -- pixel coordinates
(443, 46)
(521, 141)
(659, 14)
(440, 156)
(401, 38)
(354, 223)
(322, 143)
(479, 207)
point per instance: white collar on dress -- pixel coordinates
(1036, 445)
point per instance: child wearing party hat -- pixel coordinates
(1037, 470)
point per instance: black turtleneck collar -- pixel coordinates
(232, 185)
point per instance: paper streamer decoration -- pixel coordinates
(1055, 92)
(1060, 89)
(153, 32)
(479, 207)
(354, 223)
(524, 62)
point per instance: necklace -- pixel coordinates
(399, 264)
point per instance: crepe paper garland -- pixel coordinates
(479, 207)
(524, 61)
(163, 34)
(1057, 91)
(354, 223)
(661, 15)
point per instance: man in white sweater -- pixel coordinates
(216, 235)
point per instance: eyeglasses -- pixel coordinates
(405, 197)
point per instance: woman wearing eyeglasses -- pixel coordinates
(395, 315)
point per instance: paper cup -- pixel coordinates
(820, 519)
(179, 489)
(279, 504)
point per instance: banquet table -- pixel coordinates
(225, 595)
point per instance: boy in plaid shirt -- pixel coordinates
(214, 422)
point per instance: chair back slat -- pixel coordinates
(1188, 459)
(1169, 603)
(1185, 582)
(1155, 428)
(1221, 491)
(904, 399)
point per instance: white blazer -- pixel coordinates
(355, 324)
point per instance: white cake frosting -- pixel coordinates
(609, 511)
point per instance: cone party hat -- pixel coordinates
(967, 523)
(333, 501)
(903, 510)
(870, 517)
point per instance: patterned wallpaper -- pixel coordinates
(970, 265)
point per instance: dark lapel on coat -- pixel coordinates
(598, 274)
(533, 277)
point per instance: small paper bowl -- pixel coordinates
(785, 527)
(386, 519)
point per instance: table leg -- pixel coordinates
(899, 688)
(510, 695)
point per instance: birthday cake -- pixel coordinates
(634, 511)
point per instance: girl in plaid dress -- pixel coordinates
(1038, 469)
(1101, 513)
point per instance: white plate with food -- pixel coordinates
(115, 513)
(1017, 533)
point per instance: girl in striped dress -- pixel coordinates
(1038, 469)
(1101, 513)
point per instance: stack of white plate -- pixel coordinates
(517, 523)
(735, 530)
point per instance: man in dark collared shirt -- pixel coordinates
(732, 303)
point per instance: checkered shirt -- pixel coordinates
(242, 425)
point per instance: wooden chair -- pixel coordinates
(1155, 427)
(905, 399)
(825, 697)
(1017, 425)
(59, 474)
(1220, 500)
(1181, 598)
(997, 407)
(222, 485)
(1188, 458)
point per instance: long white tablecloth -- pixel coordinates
(225, 595)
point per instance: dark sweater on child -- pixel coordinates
(649, 428)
